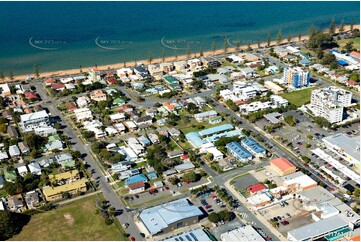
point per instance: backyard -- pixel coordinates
(76, 221)
(299, 98)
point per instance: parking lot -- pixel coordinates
(243, 182)
(166, 191)
(210, 202)
(293, 216)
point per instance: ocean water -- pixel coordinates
(65, 35)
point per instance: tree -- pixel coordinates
(150, 57)
(213, 48)
(279, 37)
(332, 28)
(11, 223)
(225, 45)
(57, 126)
(349, 46)
(163, 54)
(328, 59)
(36, 71)
(319, 53)
(232, 105)
(268, 39)
(11, 75)
(35, 141)
(238, 45)
(289, 38)
(213, 217)
(299, 36)
(190, 176)
(2, 128)
(355, 77)
(342, 26)
(189, 51)
(356, 192)
(2, 76)
(312, 31)
(259, 41)
(200, 51)
(352, 24)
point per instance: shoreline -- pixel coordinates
(159, 60)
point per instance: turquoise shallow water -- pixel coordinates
(65, 35)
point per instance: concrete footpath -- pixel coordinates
(259, 216)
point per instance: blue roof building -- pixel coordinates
(195, 140)
(342, 63)
(137, 178)
(216, 129)
(239, 152)
(305, 62)
(170, 216)
(253, 147)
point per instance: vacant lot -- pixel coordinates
(299, 98)
(355, 41)
(76, 221)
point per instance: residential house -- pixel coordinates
(70, 106)
(98, 95)
(5, 90)
(56, 193)
(14, 151)
(82, 101)
(166, 67)
(24, 148)
(141, 71)
(145, 120)
(12, 132)
(22, 170)
(16, 203)
(2, 181)
(175, 154)
(136, 187)
(123, 72)
(35, 168)
(48, 82)
(83, 114)
(32, 121)
(58, 86)
(153, 138)
(210, 61)
(32, 199)
(131, 126)
(117, 117)
(174, 132)
(180, 65)
(200, 117)
(118, 102)
(3, 155)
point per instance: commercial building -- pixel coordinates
(344, 146)
(31, 121)
(170, 216)
(332, 228)
(193, 235)
(329, 103)
(298, 182)
(253, 147)
(239, 152)
(245, 233)
(282, 166)
(296, 77)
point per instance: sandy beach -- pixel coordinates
(159, 60)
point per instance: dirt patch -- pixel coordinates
(69, 218)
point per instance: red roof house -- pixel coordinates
(256, 188)
(58, 86)
(30, 95)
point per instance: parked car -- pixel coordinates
(132, 238)
(289, 215)
(208, 206)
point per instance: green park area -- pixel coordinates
(76, 221)
(300, 97)
(355, 41)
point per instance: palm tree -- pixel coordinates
(225, 45)
(342, 26)
(289, 38)
(279, 37)
(268, 39)
(11, 75)
(299, 36)
(332, 27)
(201, 51)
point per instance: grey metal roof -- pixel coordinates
(157, 218)
(318, 228)
(350, 146)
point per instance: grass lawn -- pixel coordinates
(300, 97)
(206, 125)
(76, 221)
(356, 43)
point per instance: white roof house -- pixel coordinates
(83, 113)
(22, 170)
(3, 155)
(35, 168)
(14, 150)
